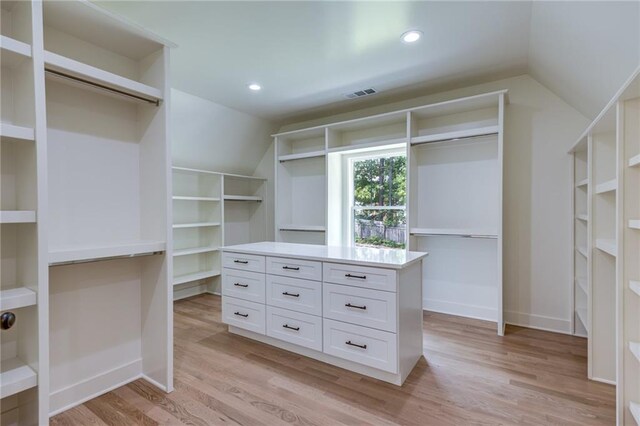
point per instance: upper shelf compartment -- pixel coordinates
(301, 144)
(16, 21)
(125, 62)
(378, 130)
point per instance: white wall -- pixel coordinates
(539, 130)
(209, 136)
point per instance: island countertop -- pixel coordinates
(365, 256)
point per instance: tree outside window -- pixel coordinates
(379, 199)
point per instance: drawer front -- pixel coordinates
(370, 308)
(375, 348)
(295, 327)
(243, 285)
(243, 314)
(244, 262)
(360, 276)
(296, 268)
(291, 293)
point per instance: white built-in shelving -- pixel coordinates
(15, 298)
(17, 216)
(211, 209)
(634, 409)
(11, 131)
(466, 134)
(73, 254)
(16, 377)
(610, 148)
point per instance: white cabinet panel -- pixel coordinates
(360, 276)
(304, 269)
(295, 327)
(369, 308)
(243, 285)
(244, 262)
(291, 293)
(243, 314)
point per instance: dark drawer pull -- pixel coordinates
(349, 305)
(291, 328)
(241, 315)
(244, 262)
(360, 277)
(286, 293)
(348, 342)
(7, 319)
(241, 285)
(291, 268)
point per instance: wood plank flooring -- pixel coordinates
(469, 376)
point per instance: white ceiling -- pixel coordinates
(308, 54)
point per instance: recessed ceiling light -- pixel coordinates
(255, 87)
(411, 36)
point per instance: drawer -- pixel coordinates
(375, 348)
(360, 276)
(296, 268)
(291, 293)
(370, 308)
(245, 262)
(243, 314)
(243, 285)
(295, 327)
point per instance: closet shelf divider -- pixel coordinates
(607, 245)
(583, 315)
(13, 132)
(188, 198)
(16, 298)
(17, 216)
(13, 51)
(106, 251)
(634, 223)
(301, 156)
(194, 250)
(583, 182)
(182, 279)
(16, 376)
(608, 186)
(195, 225)
(635, 287)
(634, 161)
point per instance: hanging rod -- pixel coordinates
(75, 79)
(456, 139)
(100, 259)
(488, 237)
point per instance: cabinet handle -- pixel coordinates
(241, 285)
(291, 268)
(7, 319)
(348, 342)
(244, 262)
(360, 277)
(291, 328)
(241, 315)
(286, 293)
(349, 305)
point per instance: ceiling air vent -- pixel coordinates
(361, 93)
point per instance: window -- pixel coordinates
(377, 196)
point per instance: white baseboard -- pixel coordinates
(606, 381)
(78, 393)
(538, 322)
(459, 309)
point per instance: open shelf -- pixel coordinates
(634, 408)
(242, 198)
(471, 233)
(303, 228)
(84, 73)
(17, 216)
(194, 250)
(85, 253)
(188, 170)
(301, 156)
(635, 287)
(634, 224)
(583, 217)
(455, 135)
(582, 250)
(181, 279)
(634, 347)
(13, 51)
(15, 298)
(195, 225)
(582, 283)
(16, 376)
(608, 186)
(634, 161)
(607, 245)
(368, 145)
(582, 315)
(10, 131)
(187, 198)
(583, 182)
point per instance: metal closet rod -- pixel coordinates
(75, 79)
(456, 139)
(420, 234)
(101, 259)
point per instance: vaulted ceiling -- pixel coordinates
(307, 55)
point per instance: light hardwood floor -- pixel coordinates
(469, 376)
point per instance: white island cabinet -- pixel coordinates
(358, 308)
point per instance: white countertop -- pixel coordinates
(367, 256)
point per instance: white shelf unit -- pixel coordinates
(108, 218)
(301, 179)
(465, 228)
(309, 192)
(23, 279)
(582, 241)
(613, 147)
(200, 205)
